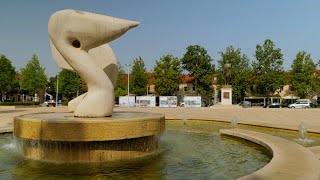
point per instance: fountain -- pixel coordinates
(303, 134)
(181, 155)
(93, 132)
(234, 122)
(302, 131)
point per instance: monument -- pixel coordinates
(91, 132)
(226, 90)
(79, 43)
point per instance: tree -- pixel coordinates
(168, 75)
(240, 71)
(199, 64)
(267, 69)
(138, 80)
(33, 76)
(8, 76)
(121, 88)
(69, 83)
(304, 81)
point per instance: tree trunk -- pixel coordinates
(2, 96)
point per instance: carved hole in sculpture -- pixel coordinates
(76, 43)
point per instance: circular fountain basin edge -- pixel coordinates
(66, 127)
(290, 160)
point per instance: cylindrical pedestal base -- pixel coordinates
(63, 138)
(94, 151)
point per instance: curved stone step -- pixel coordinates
(315, 150)
(290, 160)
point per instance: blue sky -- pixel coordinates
(168, 27)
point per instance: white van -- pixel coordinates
(300, 103)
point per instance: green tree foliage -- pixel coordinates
(33, 76)
(121, 88)
(304, 81)
(240, 71)
(268, 68)
(69, 83)
(139, 78)
(8, 76)
(168, 75)
(199, 64)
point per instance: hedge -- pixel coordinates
(19, 103)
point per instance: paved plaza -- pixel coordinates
(278, 118)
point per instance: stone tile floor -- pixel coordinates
(278, 118)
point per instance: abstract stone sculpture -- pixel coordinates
(79, 43)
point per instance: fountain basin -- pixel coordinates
(64, 138)
(290, 160)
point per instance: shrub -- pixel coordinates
(64, 102)
(19, 103)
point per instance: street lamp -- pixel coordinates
(147, 89)
(129, 64)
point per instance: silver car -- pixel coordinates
(300, 104)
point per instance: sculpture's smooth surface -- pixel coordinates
(79, 43)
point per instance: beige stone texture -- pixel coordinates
(93, 151)
(290, 160)
(62, 137)
(315, 150)
(73, 104)
(66, 127)
(79, 42)
(283, 118)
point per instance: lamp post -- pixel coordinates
(57, 91)
(128, 65)
(147, 89)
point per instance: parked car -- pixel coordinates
(315, 104)
(275, 105)
(245, 104)
(300, 104)
(49, 103)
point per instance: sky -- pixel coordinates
(168, 27)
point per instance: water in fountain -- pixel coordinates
(184, 119)
(302, 130)
(303, 134)
(181, 155)
(234, 122)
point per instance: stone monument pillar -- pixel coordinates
(226, 90)
(226, 95)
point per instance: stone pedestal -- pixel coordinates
(226, 95)
(61, 137)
